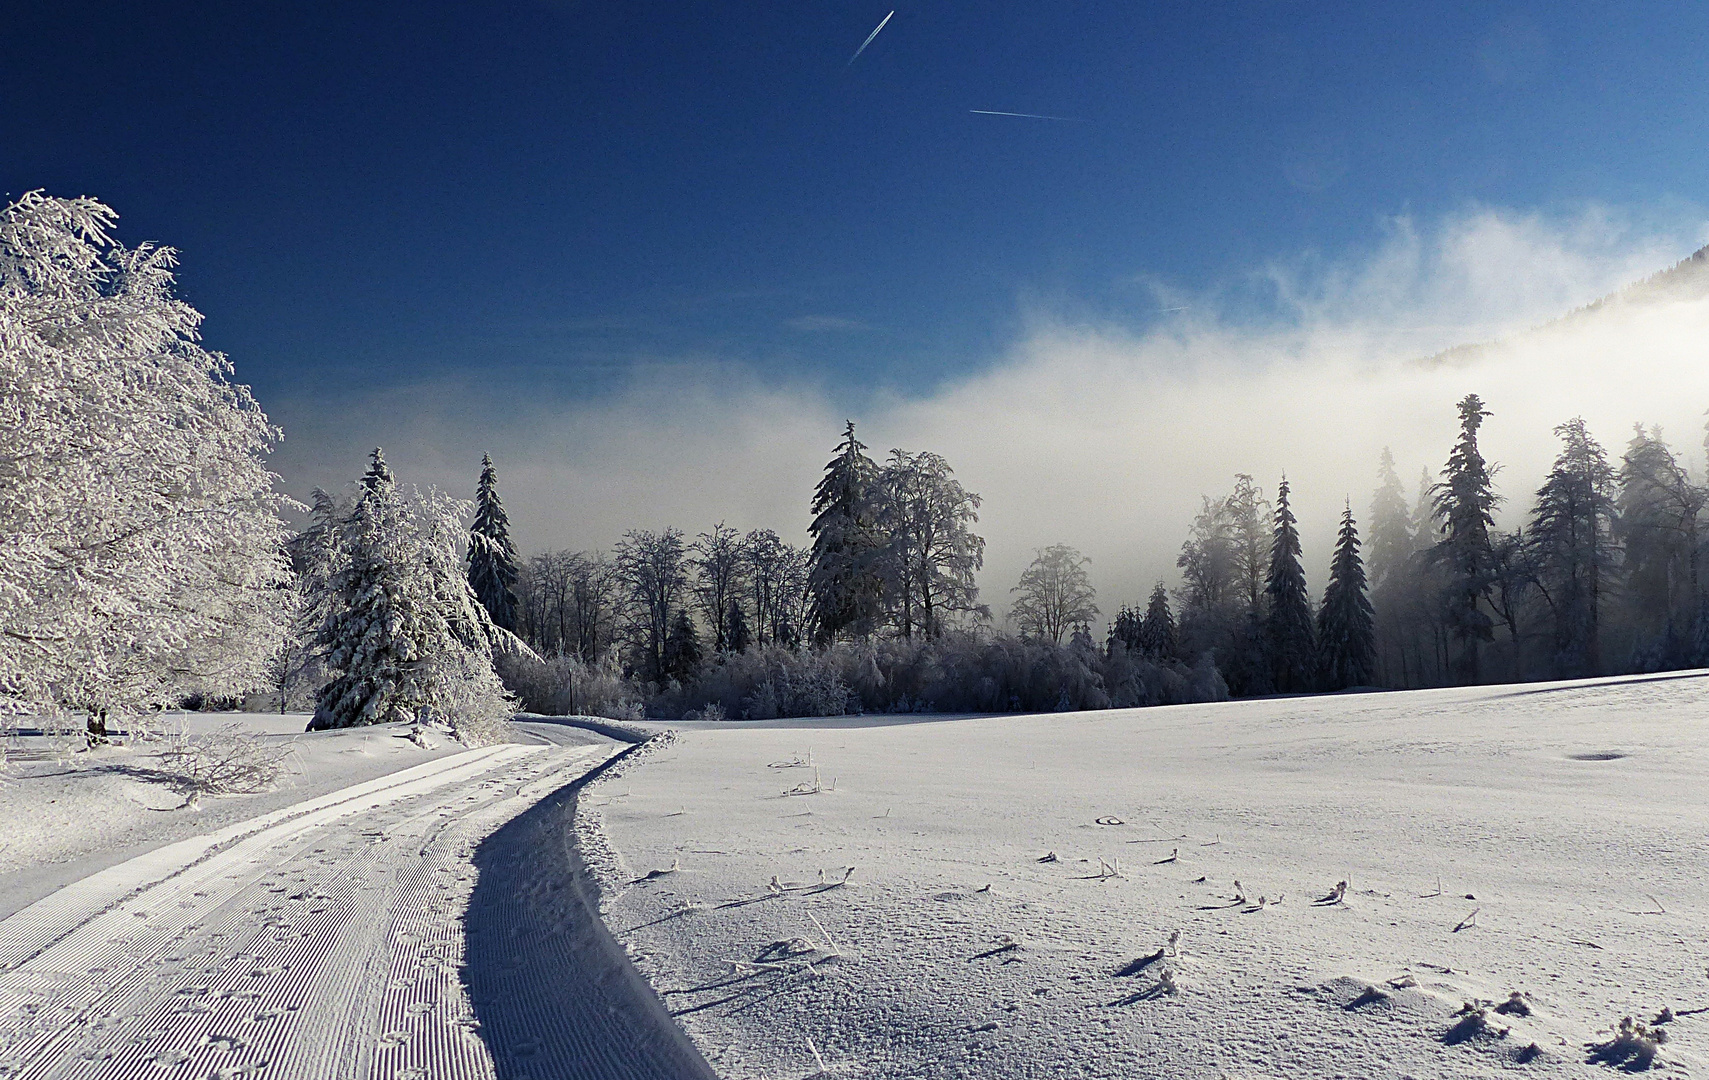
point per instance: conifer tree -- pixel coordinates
(1157, 629)
(737, 637)
(492, 558)
(1463, 505)
(1572, 537)
(373, 635)
(682, 648)
(1657, 523)
(1345, 637)
(845, 579)
(1393, 571)
(1288, 626)
(406, 639)
(1124, 632)
(1391, 545)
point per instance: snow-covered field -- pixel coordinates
(1017, 883)
(316, 931)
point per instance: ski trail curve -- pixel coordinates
(323, 940)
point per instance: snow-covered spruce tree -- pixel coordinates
(492, 557)
(1657, 526)
(1124, 632)
(844, 578)
(316, 554)
(1346, 641)
(1287, 624)
(1392, 572)
(1572, 537)
(682, 648)
(736, 635)
(1157, 629)
(407, 638)
(141, 552)
(1055, 593)
(1464, 505)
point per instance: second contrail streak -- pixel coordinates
(868, 40)
(1029, 115)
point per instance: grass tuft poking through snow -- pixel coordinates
(1633, 1047)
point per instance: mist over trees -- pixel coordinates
(883, 611)
(145, 563)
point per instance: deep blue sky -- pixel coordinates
(372, 193)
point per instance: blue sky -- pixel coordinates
(650, 256)
(561, 191)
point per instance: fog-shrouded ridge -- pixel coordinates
(1105, 437)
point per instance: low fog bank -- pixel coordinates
(1100, 436)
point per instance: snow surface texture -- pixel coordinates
(327, 939)
(66, 814)
(1018, 883)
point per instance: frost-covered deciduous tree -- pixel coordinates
(1207, 559)
(653, 567)
(1346, 640)
(719, 563)
(845, 579)
(931, 552)
(407, 639)
(1248, 511)
(141, 552)
(569, 604)
(492, 557)
(1055, 594)
(1288, 632)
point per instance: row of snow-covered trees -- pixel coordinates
(893, 551)
(143, 559)
(1602, 574)
(1244, 600)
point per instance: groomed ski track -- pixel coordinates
(434, 923)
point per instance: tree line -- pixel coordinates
(145, 564)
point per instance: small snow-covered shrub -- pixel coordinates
(465, 694)
(227, 761)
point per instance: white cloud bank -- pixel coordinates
(1104, 438)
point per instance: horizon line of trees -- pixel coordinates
(146, 564)
(1439, 596)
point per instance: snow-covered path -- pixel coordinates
(325, 939)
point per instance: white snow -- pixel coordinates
(322, 938)
(66, 813)
(1006, 869)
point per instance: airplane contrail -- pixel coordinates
(1031, 116)
(868, 41)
